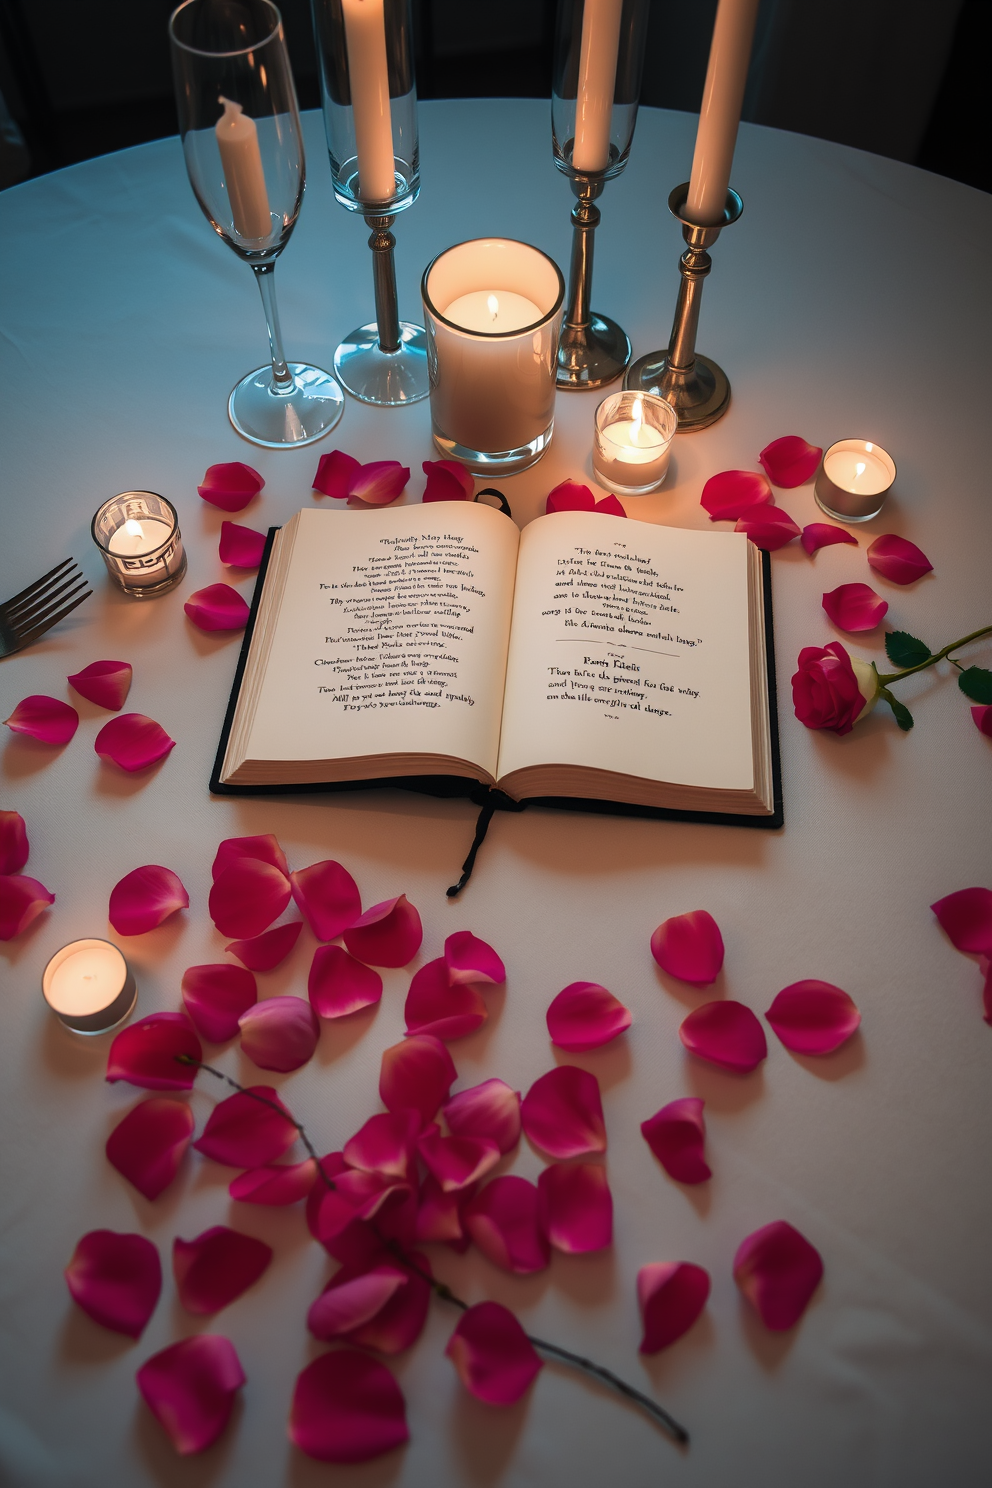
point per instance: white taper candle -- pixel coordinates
(597, 84)
(368, 75)
(723, 95)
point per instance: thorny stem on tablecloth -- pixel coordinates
(887, 677)
(440, 1288)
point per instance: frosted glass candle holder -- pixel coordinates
(854, 480)
(89, 986)
(138, 536)
(633, 441)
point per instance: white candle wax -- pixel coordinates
(597, 84)
(136, 538)
(860, 471)
(631, 443)
(237, 139)
(723, 95)
(368, 76)
(494, 311)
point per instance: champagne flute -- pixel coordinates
(240, 129)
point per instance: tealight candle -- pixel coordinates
(138, 536)
(633, 441)
(854, 480)
(89, 986)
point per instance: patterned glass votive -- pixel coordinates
(138, 536)
(632, 442)
(89, 986)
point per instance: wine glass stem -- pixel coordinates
(387, 316)
(282, 378)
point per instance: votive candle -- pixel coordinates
(138, 536)
(632, 442)
(89, 986)
(854, 480)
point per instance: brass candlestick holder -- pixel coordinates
(696, 387)
(593, 349)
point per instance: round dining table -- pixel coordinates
(850, 300)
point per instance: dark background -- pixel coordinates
(904, 78)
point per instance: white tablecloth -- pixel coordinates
(851, 299)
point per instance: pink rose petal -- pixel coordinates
(726, 1034)
(730, 494)
(585, 1016)
(144, 898)
(790, 461)
(217, 607)
(966, 919)
(388, 934)
(268, 950)
(778, 1271)
(610, 507)
(335, 473)
(490, 1110)
(495, 1360)
(339, 985)
(433, 1006)
(330, 1166)
(562, 1112)
(855, 607)
(690, 947)
(439, 1213)
(982, 716)
(279, 1033)
(240, 547)
(13, 842)
(190, 1387)
(147, 1053)
(416, 1075)
(470, 959)
(502, 1219)
(116, 1280)
(379, 482)
(230, 486)
(394, 1324)
(106, 683)
(447, 480)
(132, 741)
(44, 718)
(457, 1162)
(328, 896)
(355, 1196)
(247, 896)
(215, 1268)
(897, 559)
(813, 1017)
(575, 1207)
(768, 527)
(386, 1144)
(276, 1184)
(676, 1135)
(150, 1143)
(570, 495)
(825, 690)
(215, 997)
(263, 848)
(247, 1133)
(822, 535)
(347, 1408)
(399, 1323)
(22, 900)
(671, 1294)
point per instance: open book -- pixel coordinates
(587, 660)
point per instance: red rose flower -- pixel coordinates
(830, 691)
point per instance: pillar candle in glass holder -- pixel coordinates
(854, 480)
(632, 442)
(597, 83)
(720, 114)
(368, 77)
(89, 986)
(138, 536)
(237, 140)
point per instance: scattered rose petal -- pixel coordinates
(217, 607)
(216, 1267)
(399, 1323)
(434, 1006)
(585, 1016)
(379, 482)
(355, 1196)
(676, 1135)
(575, 1207)
(247, 896)
(330, 1166)
(983, 719)
(263, 848)
(416, 1075)
(328, 897)
(897, 559)
(778, 1271)
(726, 1034)
(275, 1184)
(147, 1053)
(730, 494)
(246, 1132)
(106, 683)
(855, 607)
(215, 997)
(822, 535)
(150, 1143)
(240, 547)
(230, 486)
(386, 1144)
(562, 1113)
(690, 947)
(569, 495)
(339, 985)
(790, 461)
(671, 1294)
(610, 506)
(768, 527)
(457, 1162)
(502, 1219)
(825, 690)
(495, 1360)
(144, 898)
(470, 959)
(447, 480)
(265, 951)
(388, 934)
(490, 1110)
(116, 1280)
(395, 1324)
(813, 1017)
(44, 718)
(279, 1033)
(347, 1408)
(132, 741)
(22, 900)
(335, 473)
(966, 919)
(190, 1387)
(439, 1214)
(13, 842)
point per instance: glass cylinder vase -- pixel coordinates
(599, 58)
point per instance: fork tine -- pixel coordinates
(39, 630)
(38, 584)
(26, 614)
(41, 615)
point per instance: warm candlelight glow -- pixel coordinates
(492, 304)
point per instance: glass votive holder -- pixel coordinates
(138, 536)
(493, 311)
(854, 480)
(632, 442)
(89, 986)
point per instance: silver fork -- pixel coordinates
(40, 606)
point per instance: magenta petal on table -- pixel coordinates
(966, 919)
(495, 1360)
(22, 900)
(356, 1196)
(768, 527)
(502, 1219)
(416, 1075)
(822, 535)
(44, 718)
(106, 683)
(353, 1298)
(447, 480)
(388, 934)
(778, 1271)
(116, 1280)
(190, 1387)
(150, 1143)
(347, 1408)
(217, 607)
(335, 473)
(790, 461)
(132, 741)
(265, 951)
(490, 1110)
(897, 559)
(379, 482)
(575, 1207)
(457, 1162)
(279, 1033)
(215, 997)
(399, 1323)
(230, 486)
(247, 896)
(730, 494)
(155, 1053)
(215, 1268)
(387, 1144)
(439, 1213)
(246, 1132)
(855, 607)
(330, 1166)
(470, 959)
(671, 1295)
(328, 897)
(610, 507)
(676, 1135)
(144, 898)
(726, 1034)
(14, 846)
(982, 716)
(264, 848)
(813, 1017)
(569, 495)
(339, 985)
(276, 1184)
(562, 1113)
(585, 1016)
(240, 547)
(434, 1006)
(690, 947)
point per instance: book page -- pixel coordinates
(391, 636)
(629, 652)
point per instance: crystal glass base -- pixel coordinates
(387, 378)
(494, 462)
(699, 397)
(593, 356)
(276, 420)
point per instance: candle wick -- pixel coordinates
(492, 304)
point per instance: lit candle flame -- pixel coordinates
(635, 433)
(492, 305)
(859, 468)
(133, 528)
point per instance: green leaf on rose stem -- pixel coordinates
(904, 650)
(900, 712)
(976, 683)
